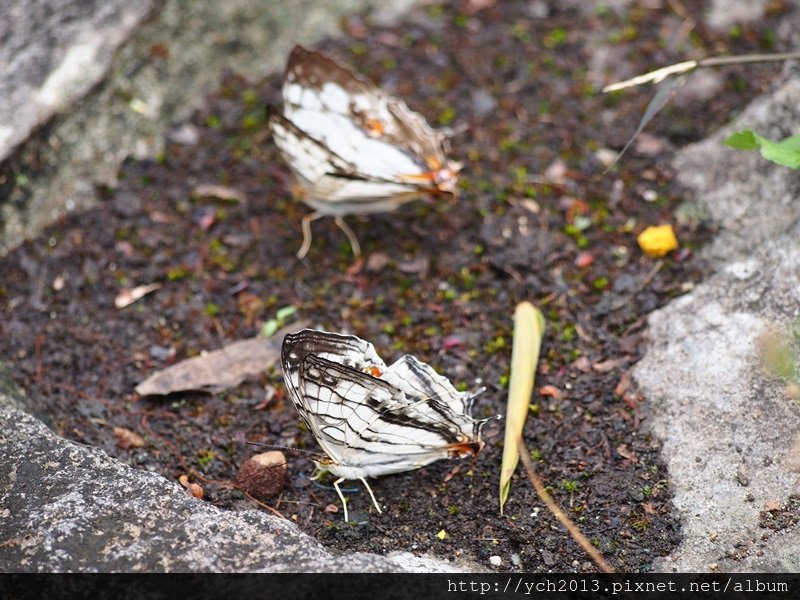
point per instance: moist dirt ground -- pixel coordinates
(537, 219)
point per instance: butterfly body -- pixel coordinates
(372, 419)
(354, 148)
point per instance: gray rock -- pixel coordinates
(724, 13)
(52, 53)
(722, 419)
(68, 507)
(116, 81)
(752, 200)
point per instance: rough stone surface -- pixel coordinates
(724, 13)
(68, 507)
(752, 200)
(52, 52)
(157, 78)
(731, 435)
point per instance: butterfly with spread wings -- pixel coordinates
(371, 419)
(353, 148)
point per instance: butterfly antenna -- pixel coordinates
(287, 448)
(468, 401)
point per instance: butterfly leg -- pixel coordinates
(350, 236)
(371, 495)
(341, 497)
(307, 237)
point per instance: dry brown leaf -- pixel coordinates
(625, 453)
(221, 192)
(127, 439)
(331, 508)
(196, 490)
(220, 369)
(550, 390)
(452, 473)
(607, 365)
(622, 386)
(128, 296)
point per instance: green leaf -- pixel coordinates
(742, 140)
(269, 328)
(529, 327)
(785, 153)
(285, 312)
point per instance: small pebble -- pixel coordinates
(495, 561)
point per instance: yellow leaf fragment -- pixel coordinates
(529, 325)
(442, 534)
(657, 240)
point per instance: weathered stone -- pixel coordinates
(52, 52)
(68, 507)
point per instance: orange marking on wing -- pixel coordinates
(374, 371)
(375, 128)
(462, 449)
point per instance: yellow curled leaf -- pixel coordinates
(529, 325)
(656, 241)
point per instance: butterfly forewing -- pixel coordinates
(315, 84)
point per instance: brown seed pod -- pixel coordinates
(263, 475)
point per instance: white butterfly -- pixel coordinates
(354, 148)
(370, 419)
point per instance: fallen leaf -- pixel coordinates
(450, 342)
(584, 259)
(583, 364)
(607, 365)
(331, 508)
(550, 390)
(220, 369)
(221, 192)
(625, 453)
(622, 386)
(473, 6)
(529, 325)
(376, 262)
(452, 473)
(207, 220)
(649, 508)
(419, 265)
(128, 296)
(184, 481)
(127, 439)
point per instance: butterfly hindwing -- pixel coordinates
(365, 423)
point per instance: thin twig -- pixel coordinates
(560, 514)
(661, 74)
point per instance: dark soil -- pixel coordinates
(537, 219)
